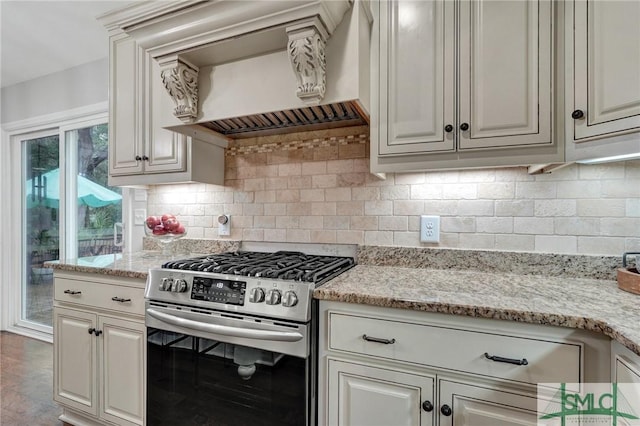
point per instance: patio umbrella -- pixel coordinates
(89, 192)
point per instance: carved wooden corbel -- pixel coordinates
(307, 41)
(180, 78)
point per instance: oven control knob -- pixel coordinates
(256, 295)
(166, 284)
(179, 286)
(273, 297)
(289, 299)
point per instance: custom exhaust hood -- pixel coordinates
(249, 68)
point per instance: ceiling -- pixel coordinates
(42, 37)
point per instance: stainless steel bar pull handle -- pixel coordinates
(120, 299)
(522, 361)
(72, 292)
(378, 340)
(225, 330)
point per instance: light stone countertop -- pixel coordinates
(134, 265)
(589, 304)
(549, 293)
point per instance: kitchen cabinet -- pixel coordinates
(462, 84)
(99, 349)
(484, 371)
(478, 404)
(625, 368)
(602, 78)
(368, 396)
(140, 151)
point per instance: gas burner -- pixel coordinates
(284, 265)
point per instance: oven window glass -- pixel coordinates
(197, 381)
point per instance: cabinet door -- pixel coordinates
(627, 375)
(471, 405)
(607, 67)
(505, 73)
(126, 113)
(416, 76)
(122, 352)
(165, 149)
(359, 395)
(75, 369)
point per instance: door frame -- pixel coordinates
(11, 262)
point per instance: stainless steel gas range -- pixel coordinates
(232, 338)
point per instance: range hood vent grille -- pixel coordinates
(341, 114)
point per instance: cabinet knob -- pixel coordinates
(445, 410)
(138, 158)
(427, 406)
(448, 128)
(145, 158)
(91, 330)
(577, 114)
(464, 127)
(97, 332)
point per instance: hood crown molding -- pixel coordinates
(176, 31)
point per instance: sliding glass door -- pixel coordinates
(41, 225)
(68, 210)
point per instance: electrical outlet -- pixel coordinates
(139, 216)
(224, 225)
(430, 229)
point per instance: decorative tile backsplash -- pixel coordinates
(315, 187)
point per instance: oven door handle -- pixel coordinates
(279, 336)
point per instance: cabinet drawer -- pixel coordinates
(456, 349)
(100, 295)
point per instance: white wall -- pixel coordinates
(76, 87)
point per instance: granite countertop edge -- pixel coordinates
(448, 292)
(536, 299)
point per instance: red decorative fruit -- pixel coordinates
(171, 224)
(159, 230)
(179, 230)
(153, 221)
(166, 217)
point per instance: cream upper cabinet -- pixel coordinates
(606, 43)
(462, 83)
(141, 151)
(602, 71)
(504, 73)
(417, 83)
(126, 138)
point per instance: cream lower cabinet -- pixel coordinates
(99, 350)
(480, 404)
(370, 396)
(625, 370)
(381, 366)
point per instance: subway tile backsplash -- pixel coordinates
(315, 187)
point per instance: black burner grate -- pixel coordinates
(283, 265)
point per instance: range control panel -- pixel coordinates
(218, 290)
(251, 295)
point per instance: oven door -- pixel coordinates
(211, 368)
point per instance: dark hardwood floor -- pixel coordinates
(26, 382)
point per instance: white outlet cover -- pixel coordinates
(430, 229)
(139, 216)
